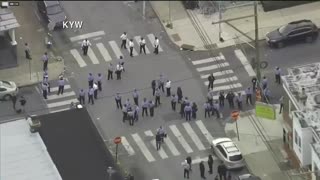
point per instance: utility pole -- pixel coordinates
(144, 10)
(256, 42)
(220, 17)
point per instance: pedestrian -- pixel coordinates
(142, 43)
(186, 169)
(278, 75)
(45, 60)
(221, 99)
(110, 71)
(14, 101)
(222, 171)
(161, 82)
(202, 169)
(174, 100)
(118, 71)
(121, 61)
(179, 94)
(254, 83)
(216, 109)
(168, 88)
(206, 107)
(210, 163)
(182, 106)
(128, 103)
(90, 95)
(239, 101)
(125, 113)
(124, 38)
(90, 80)
(45, 90)
(85, 46)
(210, 98)
(45, 80)
(135, 95)
(157, 99)
(211, 80)
(194, 110)
(61, 83)
(248, 96)
(158, 141)
(145, 106)
(187, 111)
(162, 133)
(151, 108)
(189, 161)
(153, 86)
(118, 101)
(82, 96)
(281, 104)
(264, 83)
(95, 90)
(267, 95)
(136, 113)
(156, 45)
(131, 45)
(27, 51)
(23, 102)
(230, 98)
(130, 116)
(99, 80)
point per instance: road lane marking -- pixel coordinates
(216, 74)
(78, 57)
(104, 52)
(143, 147)
(208, 60)
(88, 35)
(151, 38)
(243, 59)
(180, 138)
(171, 146)
(212, 67)
(65, 94)
(204, 131)
(226, 87)
(53, 89)
(161, 152)
(92, 56)
(115, 49)
(193, 136)
(137, 38)
(127, 146)
(61, 103)
(223, 80)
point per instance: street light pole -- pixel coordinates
(144, 9)
(256, 42)
(220, 17)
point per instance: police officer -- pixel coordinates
(142, 43)
(145, 106)
(99, 79)
(278, 75)
(264, 82)
(206, 107)
(128, 103)
(210, 98)
(239, 101)
(156, 45)
(267, 95)
(121, 61)
(210, 163)
(174, 100)
(85, 46)
(124, 38)
(135, 95)
(131, 47)
(90, 80)
(110, 71)
(254, 83)
(194, 110)
(44, 90)
(182, 106)
(187, 110)
(61, 85)
(45, 60)
(82, 96)
(118, 101)
(125, 113)
(202, 169)
(130, 116)
(136, 113)
(95, 90)
(248, 96)
(230, 98)
(153, 86)
(211, 80)
(90, 95)
(157, 99)
(151, 108)
(216, 109)
(179, 94)
(161, 82)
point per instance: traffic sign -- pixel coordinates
(235, 115)
(117, 140)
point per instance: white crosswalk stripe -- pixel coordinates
(92, 56)
(61, 103)
(115, 49)
(171, 146)
(78, 57)
(224, 80)
(212, 67)
(104, 52)
(67, 86)
(217, 74)
(208, 60)
(226, 87)
(65, 94)
(145, 151)
(244, 61)
(151, 39)
(180, 138)
(204, 131)
(161, 152)
(127, 146)
(193, 136)
(137, 38)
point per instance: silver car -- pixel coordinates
(228, 152)
(248, 177)
(7, 89)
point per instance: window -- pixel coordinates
(222, 151)
(235, 157)
(2, 89)
(296, 137)
(54, 9)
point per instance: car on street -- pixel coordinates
(248, 177)
(7, 89)
(227, 151)
(52, 11)
(293, 32)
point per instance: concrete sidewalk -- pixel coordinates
(32, 32)
(184, 32)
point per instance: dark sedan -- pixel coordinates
(296, 31)
(52, 12)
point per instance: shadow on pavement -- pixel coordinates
(8, 53)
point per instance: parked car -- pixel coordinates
(248, 177)
(8, 89)
(228, 152)
(296, 31)
(52, 12)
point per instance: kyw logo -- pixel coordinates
(72, 24)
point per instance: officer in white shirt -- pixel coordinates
(168, 88)
(95, 90)
(123, 37)
(131, 47)
(156, 45)
(142, 43)
(85, 45)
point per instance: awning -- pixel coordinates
(7, 20)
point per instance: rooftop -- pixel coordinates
(309, 119)
(23, 154)
(316, 147)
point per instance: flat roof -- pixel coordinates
(24, 155)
